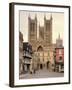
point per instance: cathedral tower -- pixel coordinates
(41, 32)
(48, 31)
(32, 30)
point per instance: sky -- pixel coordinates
(57, 23)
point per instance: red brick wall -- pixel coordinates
(59, 53)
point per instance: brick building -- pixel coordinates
(59, 55)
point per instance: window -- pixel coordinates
(60, 51)
(60, 58)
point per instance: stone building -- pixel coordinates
(59, 42)
(35, 61)
(42, 45)
(20, 52)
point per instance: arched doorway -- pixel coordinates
(40, 49)
(41, 56)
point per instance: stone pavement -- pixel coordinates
(44, 73)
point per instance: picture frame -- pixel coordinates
(25, 16)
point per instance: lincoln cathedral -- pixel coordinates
(42, 44)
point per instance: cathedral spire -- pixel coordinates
(51, 16)
(59, 36)
(36, 16)
(29, 16)
(39, 24)
(44, 16)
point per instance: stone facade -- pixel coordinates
(45, 33)
(42, 45)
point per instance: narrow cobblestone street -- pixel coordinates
(44, 73)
